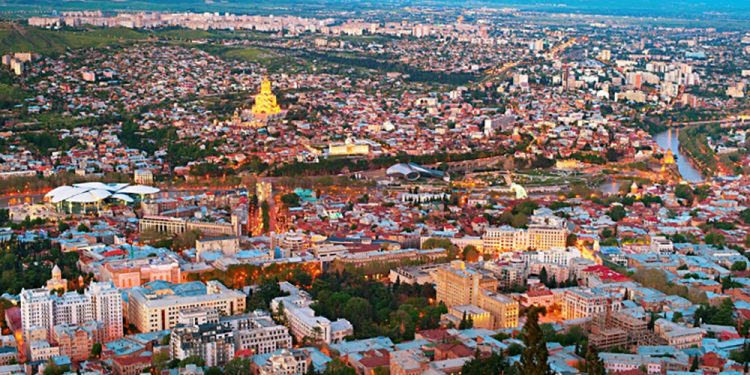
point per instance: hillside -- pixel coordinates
(17, 38)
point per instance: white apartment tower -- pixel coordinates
(36, 310)
(107, 308)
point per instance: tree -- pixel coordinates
(617, 213)
(685, 192)
(676, 316)
(715, 238)
(745, 328)
(290, 200)
(745, 215)
(96, 350)
(466, 322)
(695, 364)
(534, 357)
(543, 277)
(160, 359)
(237, 366)
(337, 367)
(651, 321)
(265, 216)
(739, 266)
(492, 365)
(358, 311)
(213, 370)
(515, 349)
(594, 364)
(571, 239)
(192, 360)
(53, 369)
(471, 254)
(83, 228)
(62, 227)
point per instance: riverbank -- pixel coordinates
(671, 140)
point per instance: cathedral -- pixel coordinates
(264, 108)
(265, 101)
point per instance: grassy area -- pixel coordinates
(10, 95)
(272, 60)
(17, 38)
(250, 54)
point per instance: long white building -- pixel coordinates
(155, 306)
(302, 319)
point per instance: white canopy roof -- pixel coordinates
(122, 197)
(90, 192)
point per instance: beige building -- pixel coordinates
(457, 285)
(581, 303)
(156, 307)
(128, 273)
(537, 237)
(678, 335)
(173, 225)
(143, 177)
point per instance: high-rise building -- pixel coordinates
(107, 308)
(73, 308)
(101, 303)
(37, 309)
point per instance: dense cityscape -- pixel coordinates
(376, 189)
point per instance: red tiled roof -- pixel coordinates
(127, 361)
(605, 273)
(459, 350)
(435, 334)
(376, 360)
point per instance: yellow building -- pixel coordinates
(265, 101)
(503, 309)
(458, 286)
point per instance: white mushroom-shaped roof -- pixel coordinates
(89, 192)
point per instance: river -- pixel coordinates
(669, 140)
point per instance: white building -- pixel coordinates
(258, 332)
(107, 308)
(41, 310)
(36, 311)
(302, 319)
(156, 306)
(73, 308)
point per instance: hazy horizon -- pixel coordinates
(639, 8)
